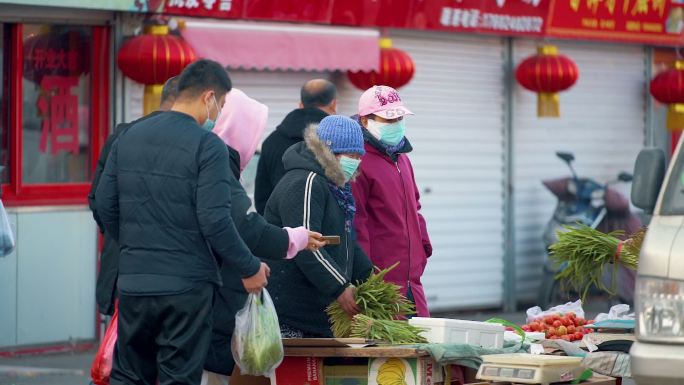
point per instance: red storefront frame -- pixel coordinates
(16, 193)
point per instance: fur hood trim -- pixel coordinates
(324, 156)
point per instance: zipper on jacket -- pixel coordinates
(403, 187)
(346, 263)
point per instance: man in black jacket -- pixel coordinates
(105, 290)
(318, 100)
(165, 198)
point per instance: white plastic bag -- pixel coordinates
(536, 312)
(6, 235)
(617, 312)
(257, 344)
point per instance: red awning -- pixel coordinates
(274, 46)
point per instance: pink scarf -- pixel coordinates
(241, 124)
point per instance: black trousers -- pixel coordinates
(165, 337)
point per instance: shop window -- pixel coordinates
(58, 111)
(56, 145)
(4, 105)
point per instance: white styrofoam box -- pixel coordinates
(443, 330)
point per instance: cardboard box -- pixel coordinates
(298, 371)
(346, 374)
(412, 371)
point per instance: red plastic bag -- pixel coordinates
(102, 365)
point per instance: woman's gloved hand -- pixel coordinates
(301, 238)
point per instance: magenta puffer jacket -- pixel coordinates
(388, 224)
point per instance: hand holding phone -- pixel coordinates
(331, 239)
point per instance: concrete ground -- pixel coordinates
(74, 368)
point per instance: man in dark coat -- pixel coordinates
(105, 291)
(318, 100)
(165, 197)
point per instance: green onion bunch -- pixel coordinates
(376, 298)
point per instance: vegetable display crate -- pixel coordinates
(442, 330)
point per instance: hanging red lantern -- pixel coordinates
(153, 58)
(668, 88)
(547, 74)
(396, 69)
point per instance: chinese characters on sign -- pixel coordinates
(55, 59)
(59, 109)
(205, 5)
(475, 19)
(653, 21)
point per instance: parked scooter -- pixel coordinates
(585, 201)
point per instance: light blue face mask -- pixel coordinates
(209, 123)
(349, 166)
(393, 133)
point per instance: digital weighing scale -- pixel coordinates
(529, 368)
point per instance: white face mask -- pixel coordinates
(374, 127)
(388, 133)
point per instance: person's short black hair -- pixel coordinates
(204, 75)
(170, 90)
(318, 93)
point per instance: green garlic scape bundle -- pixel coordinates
(392, 331)
(376, 299)
(586, 251)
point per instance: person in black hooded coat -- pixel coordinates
(241, 124)
(316, 193)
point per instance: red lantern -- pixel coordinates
(547, 73)
(668, 88)
(152, 59)
(396, 69)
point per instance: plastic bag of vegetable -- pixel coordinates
(257, 344)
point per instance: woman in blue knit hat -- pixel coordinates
(315, 193)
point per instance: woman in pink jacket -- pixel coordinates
(388, 222)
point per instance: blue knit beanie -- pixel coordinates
(341, 134)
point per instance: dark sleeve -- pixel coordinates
(263, 239)
(262, 182)
(107, 193)
(363, 267)
(318, 266)
(234, 162)
(214, 208)
(98, 174)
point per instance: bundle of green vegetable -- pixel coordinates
(392, 331)
(257, 343)
(376, 299)
(586, 251)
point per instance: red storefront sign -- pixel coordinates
(639, 21)
(647, 21)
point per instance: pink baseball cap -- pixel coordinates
(383, 101)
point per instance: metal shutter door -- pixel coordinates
(602, 122)
(457, 132)
(279, 90)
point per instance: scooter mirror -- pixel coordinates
(649, 173)
(625, 177)
(566, 156)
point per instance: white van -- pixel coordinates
(658, 355)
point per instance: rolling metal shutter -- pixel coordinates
(457, 95)
(603, 124)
